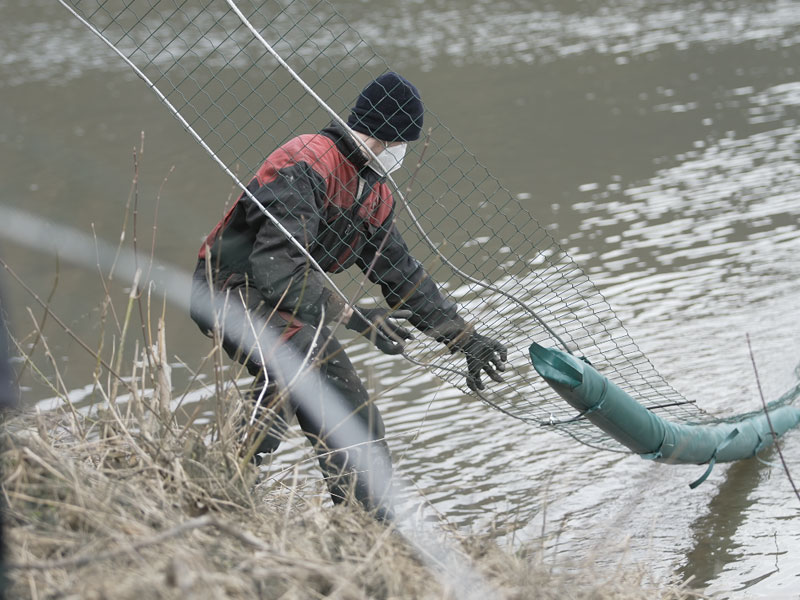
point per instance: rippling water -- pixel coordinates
(660, 143)
(430, 34)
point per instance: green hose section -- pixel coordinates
(645, 433)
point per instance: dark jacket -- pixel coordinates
(311, 185)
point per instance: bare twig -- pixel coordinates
(145, 323)
(108, 305)
(61, 323)
(41, 324)
(59, 379)
(769, 421)
(36, 370)
(121, 345)
(155, 222)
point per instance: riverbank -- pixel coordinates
(124, 504)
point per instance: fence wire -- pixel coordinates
(243, 103)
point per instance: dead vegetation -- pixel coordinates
(169, 514)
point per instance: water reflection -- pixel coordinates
(713, 534)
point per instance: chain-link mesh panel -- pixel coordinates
(508, 275)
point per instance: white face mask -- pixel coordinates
(391, 158)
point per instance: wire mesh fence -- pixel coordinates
(508, 276)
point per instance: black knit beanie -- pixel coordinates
(389, 109)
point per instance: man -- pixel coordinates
(329, 193)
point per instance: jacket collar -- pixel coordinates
(347, 146)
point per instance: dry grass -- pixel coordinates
(126, 512)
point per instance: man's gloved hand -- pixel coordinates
(376, 326)
(483, 354)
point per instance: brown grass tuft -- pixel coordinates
(166, 515)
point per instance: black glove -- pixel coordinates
(376, 326)
(483, 354)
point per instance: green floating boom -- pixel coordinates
(645, 433)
